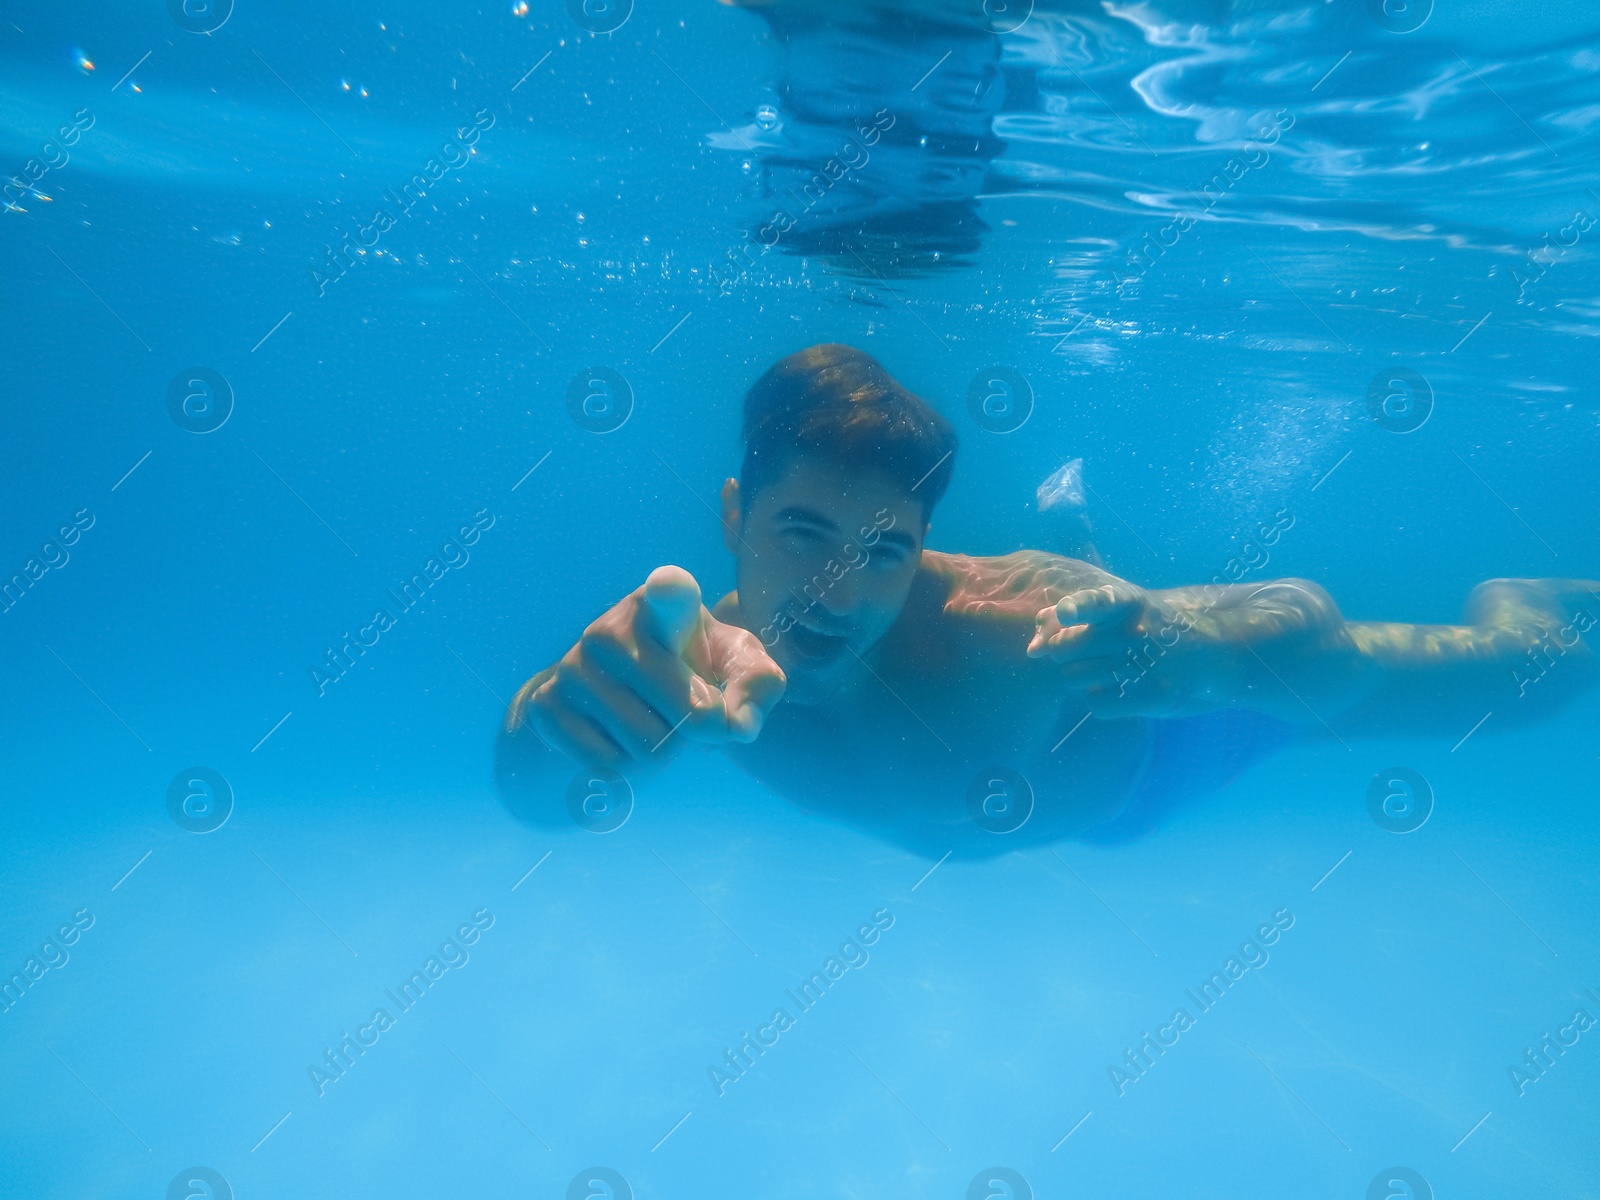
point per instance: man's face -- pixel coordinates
(826, 557)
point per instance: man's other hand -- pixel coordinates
(1091, 632)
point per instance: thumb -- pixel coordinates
(749, 698)
(753, 682)
(672, 607)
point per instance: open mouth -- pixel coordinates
(812, 646)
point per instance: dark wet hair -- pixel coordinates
(838, 405)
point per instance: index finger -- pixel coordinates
(670, 607)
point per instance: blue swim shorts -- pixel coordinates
(1186, 759)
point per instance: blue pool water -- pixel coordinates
(1248, 259)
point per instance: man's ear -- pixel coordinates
(730, 515)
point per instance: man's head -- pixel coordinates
(842, 468)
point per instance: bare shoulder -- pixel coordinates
(974, 608)
(1019, 583)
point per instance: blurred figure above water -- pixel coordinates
(883, 136)
(883, 132)
(890, 120)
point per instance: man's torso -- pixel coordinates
(945, 698)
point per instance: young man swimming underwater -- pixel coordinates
(938, 699)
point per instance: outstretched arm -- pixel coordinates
(1526, 651)
(1280, 647)
(1283, 648)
